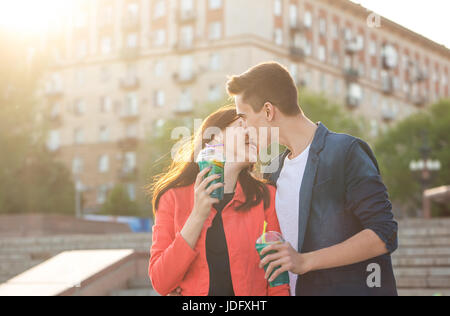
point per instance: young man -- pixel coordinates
(332, 205)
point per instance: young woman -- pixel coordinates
(202, 246)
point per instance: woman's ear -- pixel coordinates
(269, 111)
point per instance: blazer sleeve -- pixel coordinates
(273, 225)
(170, 255)
(366, 194)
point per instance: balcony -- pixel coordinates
(131, 23)
(353, 46)
(186, 16)
(296, 26)
(130, 83)
(297, 53)
(387, 85)
(388, 115)
(184, 46)
(353, 102)
(128, 143)
(184, 78)
(351, 74)
(184, 109)
(54, 91)
(130, 53)
(419, 100)
(127, 173)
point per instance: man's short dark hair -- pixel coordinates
(266, 82)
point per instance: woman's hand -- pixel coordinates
(203, 201)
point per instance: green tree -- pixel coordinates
(31, 181)
(118, 203)
(401, 144)
(320, 108)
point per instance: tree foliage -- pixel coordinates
(31, 180)
(401, 144)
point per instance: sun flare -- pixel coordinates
(33, 16)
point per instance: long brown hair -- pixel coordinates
(184, 170)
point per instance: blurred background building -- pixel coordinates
(121, 67)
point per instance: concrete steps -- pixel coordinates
(20, 254)
(136, 287)
(422, 262)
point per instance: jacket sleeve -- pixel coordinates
(273, 225)
(170, 254)
(366, 195)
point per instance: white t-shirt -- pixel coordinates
(287, 201)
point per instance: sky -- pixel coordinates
(429, 18)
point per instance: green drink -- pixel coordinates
(212, 157)
(267, 239)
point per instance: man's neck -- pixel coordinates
(297, 133)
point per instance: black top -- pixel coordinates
(217, 254)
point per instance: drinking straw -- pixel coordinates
(264, 232)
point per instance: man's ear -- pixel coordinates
(269, 111)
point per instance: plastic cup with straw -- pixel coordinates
(267, 239)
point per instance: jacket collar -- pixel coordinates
(317, 144)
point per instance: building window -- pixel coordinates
(187, 36)
(308, 47)
(79, 136)
(215, 4)
(132, 40)
(79, 77)
(334, 31)
(372, 48)
(308, 19)
(159, 68)
(106, 45)
(293, 15)
(186, 103)
(374, 74)
(322, 27)
(160, 9)
(323, 82)
(103, 164)
(214, 62)
(53, 141)
(278, 36)
(159, 98)
(214, 93)
(131, 189)
(81, 49)
(105, 104)
(104, 74)
(335, 58)
(104, 134)
(79, 107)
(160, 37)
(129, 164)
(277, 8)
(337, 87)
(131, 131)
(215, 30)
(77, 165)
(186, 67)
(187, 5)
(102, 193)
(322, 53)
(131, 105)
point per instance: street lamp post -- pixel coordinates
(425, 167)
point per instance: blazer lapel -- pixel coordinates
(309, 179)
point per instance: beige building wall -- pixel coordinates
(103, 53)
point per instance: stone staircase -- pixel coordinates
(20, 254)
(136, 287)
(422, 262)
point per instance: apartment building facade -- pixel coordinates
(121, 67)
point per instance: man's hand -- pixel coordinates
(287, 258)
